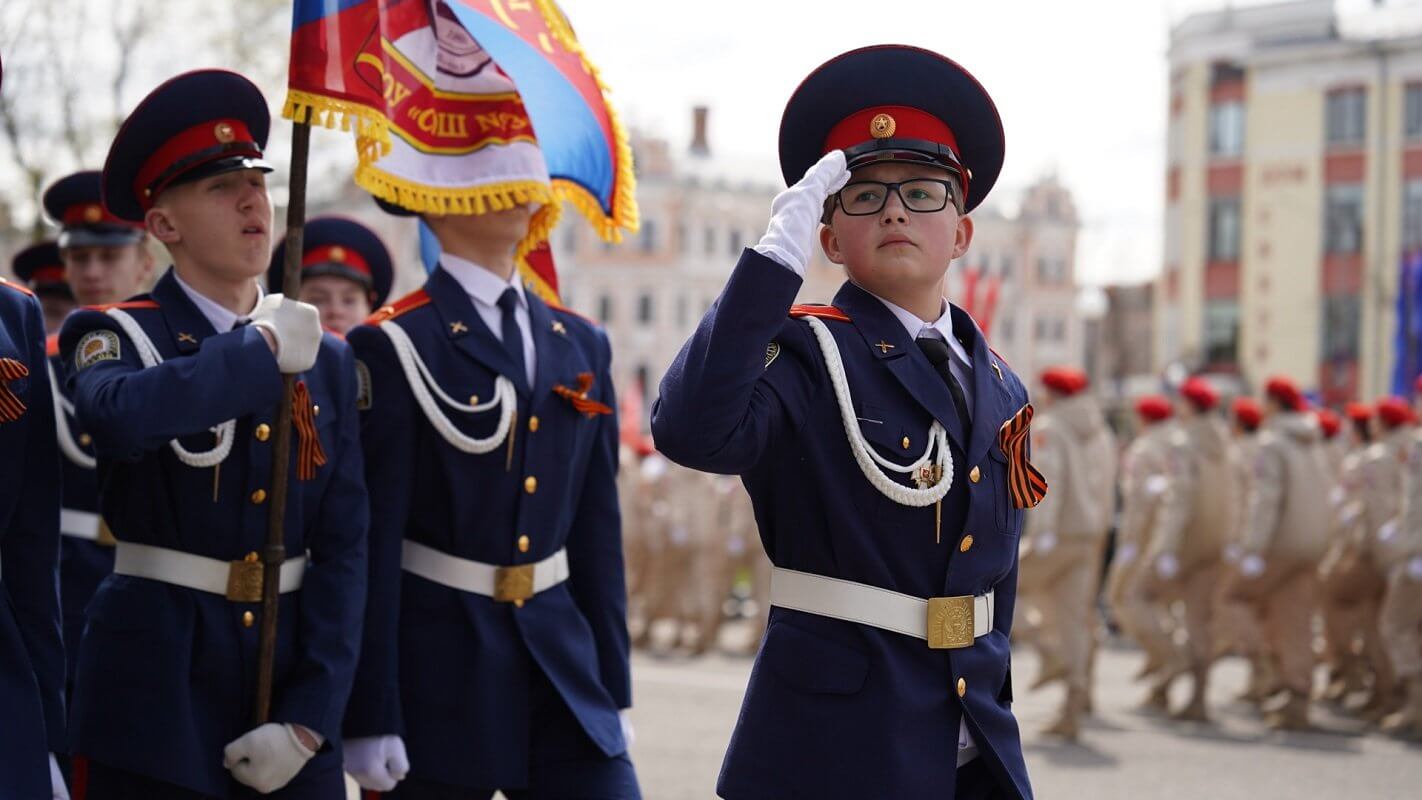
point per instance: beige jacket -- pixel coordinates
(1144, 468)
(1289, 517)
(1407, 541)
(1382, 489)
(1199, 507)
(1076, 453)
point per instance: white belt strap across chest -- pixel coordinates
(238, 581)
(947, 623)
(148, 354)
(870, 462)
(426, 390)
(513, 584)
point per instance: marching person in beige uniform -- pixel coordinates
(1401, 616)
(1143, 469)
(1351, 585)
(1061, 548)
(1191, 530)
(1285, 539)
(1238, 627)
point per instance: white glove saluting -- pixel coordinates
(266, 758)
(795, 213)
(377, 762)
(295, 326)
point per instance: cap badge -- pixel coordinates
(882, 126)
(93, 213)
(338, 254)
(224, 132)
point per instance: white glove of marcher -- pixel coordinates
(1414, 568)
(795, 213)
(1387, 531)
(629, 734)
(377, 762)
(296, 326)
(1233, 552)
(1251, 566)
(267, 757)
(1044, 542)
(1167, 566)
(1127, 553)
(1156, 485)
(57, 789)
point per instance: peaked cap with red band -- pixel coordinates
(40, 267)
(894, 102)
(343, 248)
(197, 125)
(1067, 381)
(76, 203)
(1201, 394)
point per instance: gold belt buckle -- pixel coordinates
(950, 622)
(106, 536)
(244, 581)
(513, 584)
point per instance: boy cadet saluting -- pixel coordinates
(179, 389)
(883, 444)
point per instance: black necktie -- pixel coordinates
(938, 355)
(513, 338)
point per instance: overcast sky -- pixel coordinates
(1081, 87)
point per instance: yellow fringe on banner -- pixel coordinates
(370, 126)
(450, 200)
(540, 229)
(624, 200)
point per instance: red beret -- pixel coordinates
(1247, 412)
(1284, 391)
(1358, 412)
(1395, 411)
(1328, 422)
(1154, 408)
(1200, 393)
(1065, 380)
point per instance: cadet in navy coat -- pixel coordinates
(883, 444)
(179, 390)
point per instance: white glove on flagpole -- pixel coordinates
(377, 762)
(795, 213)
(295, 326)
(58, 791)
(266, 758)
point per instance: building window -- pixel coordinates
(1412, 215)
(708, 242)
(681, 244)
(1341, 325)
(1009, 268)
(1412, 125)
(1347, 111)
(644, 308)
(681, 309)
(1224, 229)
(644, 386)
(1222, 332)
(649, 236)
(1051, 271)
(1005, 329)
(1227, 129)
(733, 242)
(604, 308)
(1343, 219)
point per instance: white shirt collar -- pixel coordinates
(479, 283)
(217, 315)
(941, 328)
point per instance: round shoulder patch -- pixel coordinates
(96, 346)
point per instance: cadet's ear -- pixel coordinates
(963, 238)
(830, 244)
(160, 223)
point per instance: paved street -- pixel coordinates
(685, 710)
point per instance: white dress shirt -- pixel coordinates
(484, 289)
(218, 315)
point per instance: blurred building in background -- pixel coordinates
(1293, 193)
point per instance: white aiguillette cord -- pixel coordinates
(63, 410)
(421, 382)
(148, 354)
(937, 450)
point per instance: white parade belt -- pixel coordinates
(238, 581)
(85, 525)
(947, 623)
(513, 584)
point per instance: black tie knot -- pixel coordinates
(936, 349)
(508, 301)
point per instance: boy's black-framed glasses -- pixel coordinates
(920, 195)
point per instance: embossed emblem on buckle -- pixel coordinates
(950, 622)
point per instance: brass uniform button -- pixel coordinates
(473, 399)
(248, 619)
(85, 439)
(962, 687)
(259, 496)
(530, 484)
(975, 475)
(251, 558)
(518, 604)
(264, 432)
(523, 544)
(316, 411)
(533, 424)
(906, 443)
(966, 545)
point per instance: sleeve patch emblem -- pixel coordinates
(363, 396)
(772, 352)
(96, 346)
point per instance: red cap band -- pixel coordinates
(198, 145)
